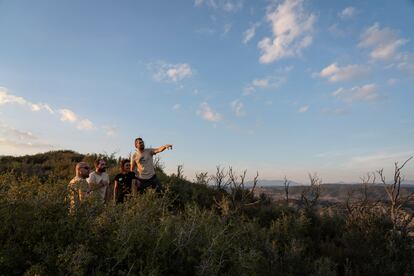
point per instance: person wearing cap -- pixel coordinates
(78, 187)
(142, 164)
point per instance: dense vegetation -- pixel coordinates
(193, 228)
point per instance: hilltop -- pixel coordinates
(193, 228)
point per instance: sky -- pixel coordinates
(285, 88)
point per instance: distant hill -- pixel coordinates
(333, 192)
(272, 183)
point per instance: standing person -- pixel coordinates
(142, 163)
(99, 180)
(78, 187)
(124, 181)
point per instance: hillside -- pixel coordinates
(190, 229)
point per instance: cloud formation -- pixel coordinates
(335, 73)
(269, 82)
(207, 113)
(176, 107)
(384, 43)
(15, 140)
(16, 133)
(172, 72)
(85, 124)
(368, 92)
(66, 115)
(348, 13)
(7, 98)
(110, 130)
(303, 109)
(227, 28)
(292, 28)
(224, 5)
(238, 108)
(250, 32)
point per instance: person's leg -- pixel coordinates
(144, 184)
(156, 184)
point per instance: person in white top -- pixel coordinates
(143, 165)
(99, 180)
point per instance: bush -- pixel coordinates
(190, 229)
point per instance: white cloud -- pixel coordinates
(227, 28)
(209, 114)
(292, 28)
(334, 73)
(198, 2)
(16, 141)
(110, 130)
(38, 107)
(248, 90)
(250, 32)
(261, 82)
(336, 30)
(177, 107)
(347, 13)
(406, 62)
(16, 133)
(303, 109)
(67, 115)
(238, 108)
(368, 92)
(172, 72)
(384, 43)
(7, 98)
(85, 124)
(224, 5)
(269, 82)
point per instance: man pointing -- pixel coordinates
(143, 165)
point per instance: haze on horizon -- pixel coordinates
(285, 87)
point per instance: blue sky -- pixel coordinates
(285, 87)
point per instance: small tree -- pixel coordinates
(202, 178)
(220, 178)
(310, 195)
(286, 184)
(400, 218)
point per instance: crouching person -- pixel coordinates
(125, 181)
(78, 187)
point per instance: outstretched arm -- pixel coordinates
(162, 148)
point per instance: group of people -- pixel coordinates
(137, 173)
